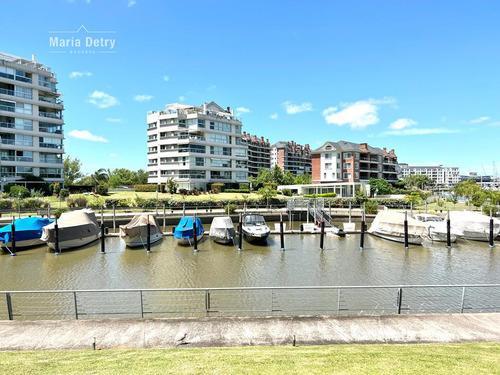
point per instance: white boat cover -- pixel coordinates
(75, 224)
(138, 226)
(474, 222)
(392, 223)
(222, 227)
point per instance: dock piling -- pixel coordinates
(406, 230)
(282, 236)
(240, 235)
(322, 235)
(448, 231)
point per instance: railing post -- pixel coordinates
(9, 306)
(207, 302)
(338, 302)
(463, 301)
(142, 306)
(400, 299)
(76, 305)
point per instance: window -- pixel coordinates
(152, 149)
(241, 152)
(357, 155)
(24, 170)
(237, 129)
(347, 165)
(328, 166)
(152, 137)
(24, 108)
(192, 121)
(220, 126)
(241, 175)
(214, 150)
(7, 72)
(24, 156)
(221, 163)
(50, 142)
(347, 175)
(152, 125)
(241, 164)
(347, 155)
(328, 147)
(328, 156)
(50, 158)
(219, 138)
(201, 123)
(220, 175)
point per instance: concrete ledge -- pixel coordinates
(244, 331)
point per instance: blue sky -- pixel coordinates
(421, 77)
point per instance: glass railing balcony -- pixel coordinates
(17, 143)
(8, 174)
(6, 75)
(16, 93)
(50, 145)
(50, 100)
(8, 158)
(7, 108)
(50, 175)
(50, 115)
(23, 79)
(51, 130)
(24, 158)
(51, 161)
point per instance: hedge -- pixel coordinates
(145, 188)
(324, 195)
(237, 191)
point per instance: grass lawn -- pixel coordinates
(332, 359)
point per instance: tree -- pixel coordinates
(380, 186)
(264, 175)
(99, 177)
(71, 171)
(467, 189)
(288, 178)
(277, 174)
(172, 185)
(267, 192)
(304, 179)
(417, 180)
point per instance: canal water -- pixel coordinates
(169, 265)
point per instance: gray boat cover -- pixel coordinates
(392, 223)
(72, 225)
(139, 224)
(222, 227)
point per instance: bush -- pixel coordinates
(183, 191)
(287, 192)
(95, 202)
(218, 187)
(35, 203)
(102, 189)
(244, 186)
(64, 193)
(6, 204)
(77, 201)
(237, 191)
(371, 207)
(488, 207)
(17, 190)
(110, 202)
(145, 202)
(57, 212)
(56, 188)
(145, 188)
(232, 209)
(324, 195)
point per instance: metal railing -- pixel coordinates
(251, 301)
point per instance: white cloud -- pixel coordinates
(102, 100)
(417, 131)
(211, 88)
(110, 119)
(292, 109)
(131, 3)
(357, 115)
(143, 98)
(480, 119)
(112, 155)
(86, 135)
(402, 123)
(242, 110)
(166, 78)
(182, 98)
(274, 116)
(79, 74)
(496, 123)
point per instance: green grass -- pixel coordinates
(333, 359)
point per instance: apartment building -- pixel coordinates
(442, 176)
(196, 146)
(31, 121)
(352, 162)
(259, 153)
(290, 156)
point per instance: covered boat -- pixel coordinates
(436, 226)
(473, 225)
(222, 230)
(255, 228)
(28, 231)
(390, 225)
(76, 228)
(135, 233)
(183, 232)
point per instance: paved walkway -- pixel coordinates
(243, 331)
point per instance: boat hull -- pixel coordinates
(255, 238)
(24, 244)
(75, 242)
(223, 240)
(137, 241)
(189, 241)
(412, 239)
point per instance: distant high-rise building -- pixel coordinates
(259, 153)
(31, 121)
(352, 162)
(196, 146)
(443, 176)
(290, 156)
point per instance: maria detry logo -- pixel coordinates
(82, 41)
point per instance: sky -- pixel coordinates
(420, 77)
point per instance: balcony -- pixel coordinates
(47, 99)
(55, 115)
(16, 93)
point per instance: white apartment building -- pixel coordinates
(31, 121)
(442, 176)
(196, 146)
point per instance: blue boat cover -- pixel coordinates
(185, 228)
(27, 228)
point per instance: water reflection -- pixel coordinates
(302, 263)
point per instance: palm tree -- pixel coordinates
(99, 176)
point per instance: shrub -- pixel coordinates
(232, 208)
(145, 202)
(145, 188)
(64, 193)
(371, 207)
(77, 201)
(56, 188)
(102, 189)
(19, 191)
(6, 204)
(57, 212)
(244, 186)
(237, 191)
(95, 202)
(218, 187)
(110, 202)
(35, 203)
(324, 195)
(38, 194)
(183, 191)
(488, 207)
(287, 192)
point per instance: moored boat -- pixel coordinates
(76, 228)
(390, 226)
(255, 229)
(222, 230)
(473, 225)
(27, 232)
(436, 226)
(135, 232)
(183, 232)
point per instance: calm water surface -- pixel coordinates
(168, 265)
